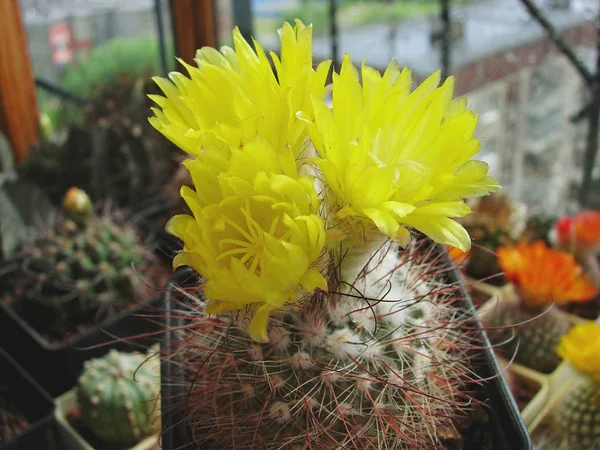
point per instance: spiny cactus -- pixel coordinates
(321, 336)
(534, 334)
(496, 220)
(374, 368)
(579, 415)
(113, 154)
(539, 228)
(118, 397)
(578, 412)
(541, 277)
(82, 264)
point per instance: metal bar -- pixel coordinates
(560, 43)
(242, 17)
(161, 36)
(592, 138)
(60, 92)
(446, 44)
(333, 32)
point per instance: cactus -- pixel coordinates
(117, 397)
(82, 264)
(113, 154)
(496, 220)
(539, 228)
(535, 334)
(578, 412)
(541, 277)
(316, 332)
(377, 369)
(579, 415)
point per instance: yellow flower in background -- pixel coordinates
(254, 234)
(581, 347)
(398, 159)
(234, 95)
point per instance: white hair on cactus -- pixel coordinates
(313, 329)
(363, 316)
(301, 360)
(339, 311)
(279, 338)
(372, 352)
(345, 409)
(276, 382)
(256, 353)
(329, 376)
(363, 384)
(344, 343)
(422, 364)
(280, 412)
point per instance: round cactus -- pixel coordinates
(118, 397)
(82, 264)
(533, 335)
(542, 278)
(579, 414)
(374, 366)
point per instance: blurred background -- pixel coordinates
(93, 59)
(525, 90)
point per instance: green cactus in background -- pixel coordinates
(541, 278)
(579, 415)
(82, 264)
(112, 154)
(118, 397)
(496, 220)
(578, 412)
(534, 336)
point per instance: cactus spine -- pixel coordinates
(374, 366)
(117, 397)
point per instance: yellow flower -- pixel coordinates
(254, 235)
(581, 347)
(234, 95)
(398, 159)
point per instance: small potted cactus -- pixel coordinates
(85, 272)
(524, 320)
(571, 420)
(496, 220)
(580, 236)
(116, 402)
(114, 154)
(327, 317)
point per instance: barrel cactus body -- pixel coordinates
(578, 411)
(83, 264)
(117, 397)
(579, 414)
(364, 369)
(532, 334)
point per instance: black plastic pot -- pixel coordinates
(56, 365)
(35, 405)
(505, 424)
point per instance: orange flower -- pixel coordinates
(581, 232)
(457, 255)
(543, 276)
